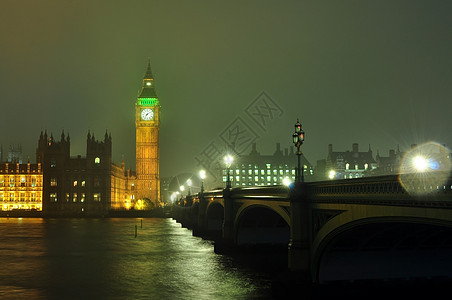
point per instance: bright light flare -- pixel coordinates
(420, 163)
(228, 160)
(425, 168)
(287, 181)
(332, 174)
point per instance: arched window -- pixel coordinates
(97, 160)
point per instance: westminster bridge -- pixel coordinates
(366, 228)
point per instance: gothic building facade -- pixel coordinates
(59, 184)
(89, 185)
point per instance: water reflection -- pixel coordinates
(102, 258)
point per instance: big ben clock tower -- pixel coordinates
(147, 124)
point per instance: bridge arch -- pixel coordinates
(385, 247)
(260, 224)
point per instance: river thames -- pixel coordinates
(102, 259)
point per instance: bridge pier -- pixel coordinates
(226, 244)
(299, 256)
(201, 227)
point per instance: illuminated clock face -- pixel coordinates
(147, 114)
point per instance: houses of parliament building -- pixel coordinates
(58, 184)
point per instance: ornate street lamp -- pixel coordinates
(228, 161)
(298, 139)
(202, 175)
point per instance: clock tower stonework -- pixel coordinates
(147, 124)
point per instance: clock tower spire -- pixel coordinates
(147, 124)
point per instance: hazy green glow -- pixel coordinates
(148, 101)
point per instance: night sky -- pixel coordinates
(367, 72)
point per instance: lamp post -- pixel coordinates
(189, 186)
(298, 139)
(202, 175)
(182, 195)
(228, 161)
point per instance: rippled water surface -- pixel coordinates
(102, 259)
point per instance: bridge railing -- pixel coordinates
(272, 192)
(386, 190)
(212, 195)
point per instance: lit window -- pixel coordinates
(293, 172)
(224, 178)
(67, 197)
(97, 160)
(83, 183)
(33, 181)
(237, 178)
(347, 166)
(269, 178)
(75, 183)
(74, 197)
(96, 197)
(250, 172)
(82, 199)
(356, 167)
(1, 196)
(366, 166)
(268, 166)
(256, 172)
(256, 178)
(52, 163)
(262, 172)
(33, 196)
(237, 171)
(53, 181)
(281, 172)
(22, 181)
(269, 172)
(275, 172)
(53, 197)
(11, 181)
